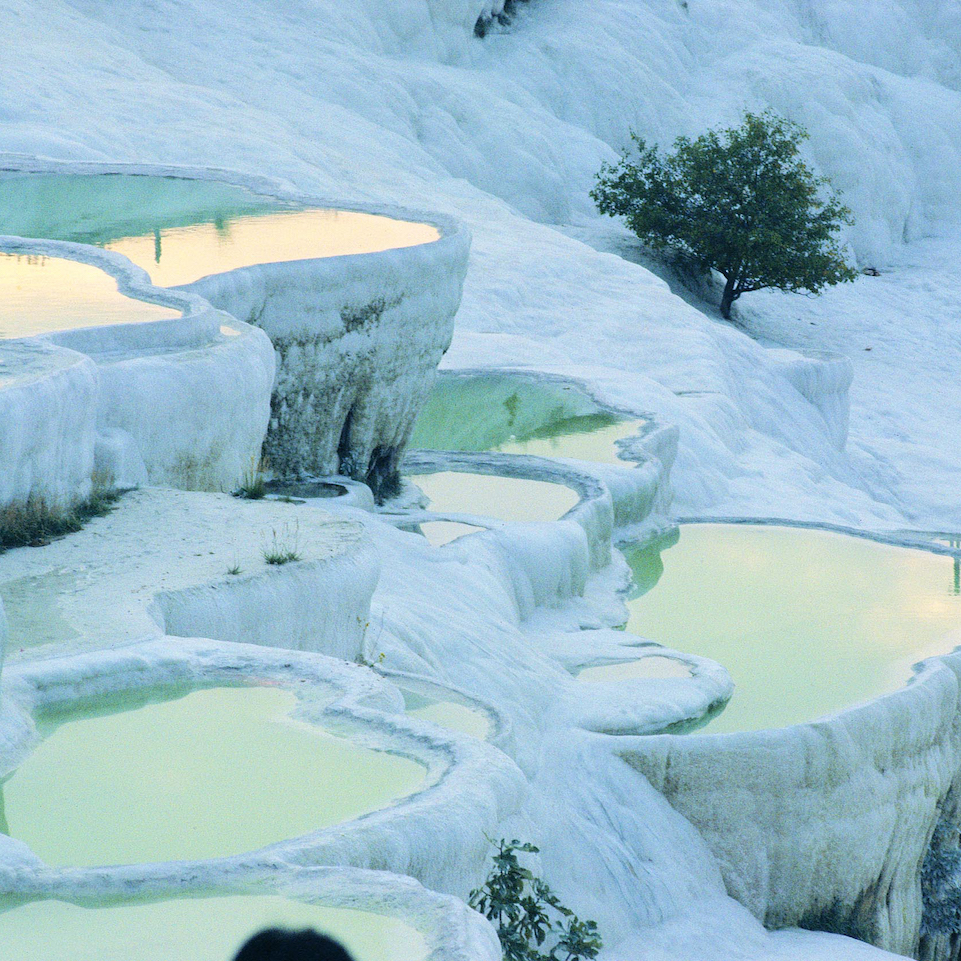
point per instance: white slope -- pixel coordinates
(399, 101)
(396, 100)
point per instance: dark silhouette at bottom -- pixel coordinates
(276, 944)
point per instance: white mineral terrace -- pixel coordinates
(195, 229)
(333, 289)
(448, 661)
(483, 647)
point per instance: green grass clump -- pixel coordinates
(37, 522)
(283, 547)
(253, 485)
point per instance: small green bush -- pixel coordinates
(253, 485)
(528, 915)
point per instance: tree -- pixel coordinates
(740, 201)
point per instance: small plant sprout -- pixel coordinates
(284, 545)
(253, 485)
(528, 915)
(234, 569)
(362, 658)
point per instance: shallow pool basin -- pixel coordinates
(191, 929)
(448, 714)
(654, 666)
(41, 295)
(439, 533)
(215, 772)
(807, 622)
(488, 495)
(515, 414)
(179, 229)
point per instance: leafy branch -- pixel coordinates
(528, 915)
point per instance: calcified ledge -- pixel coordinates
(826, 825)
(357, 339)
(365, 708)
(180, 402)
(143, 589)
(822, 825)
(352, 347)
(615, 503)
(451, 930)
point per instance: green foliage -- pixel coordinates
(283, 547)
(37, 522)
(740, 201)
(529, 915)
(253, 485)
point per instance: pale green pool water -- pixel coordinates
(217, 772)
(488, 495)
(644, 667)
(448, 714)
(514, 415)
(192, 929)
(807, 622)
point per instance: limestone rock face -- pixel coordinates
(826, 825)
(3, 634)
(357, 340)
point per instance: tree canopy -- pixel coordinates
(739, 200)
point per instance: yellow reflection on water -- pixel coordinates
(217, 772)
(807, 622)
(39, 295)
(183, 254)
(192, 929)
(504, 498)
(597, 445)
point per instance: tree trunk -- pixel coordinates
(728, 298)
